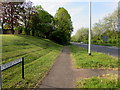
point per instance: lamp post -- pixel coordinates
(118, 26)
(89, 40)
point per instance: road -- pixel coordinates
(114, 51)
(63, 75)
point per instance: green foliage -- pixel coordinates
(58, 29)
(81, 59)
(104, 27)
(36, 21)
(10, 19)
(63, 27)
(41, 23)
(73, 38)
(81, 35)
(106, 81)
(7, 26)
(39, 54)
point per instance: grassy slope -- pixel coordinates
(81, 59)
(106, 81)
(39, 56)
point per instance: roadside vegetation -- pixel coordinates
(36, 21)
(33, 30)
(104, 32)
(81, 59)
(105, 81)
(39, 54)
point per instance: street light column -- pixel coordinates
(89, 40)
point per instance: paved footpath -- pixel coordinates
(62, 75)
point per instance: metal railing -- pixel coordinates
(13, 63)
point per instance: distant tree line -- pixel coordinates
(106, 27)
(35, 21)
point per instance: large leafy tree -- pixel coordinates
(63, 27)
(81, 35)
(106, 27)
(41, 23)
(46, 21)
(10, 15)
(26, 14)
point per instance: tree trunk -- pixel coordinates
(33, 32)
(12, 29)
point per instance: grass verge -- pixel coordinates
(81, 59)
(39, 54)
(108, 44)
(105, 81)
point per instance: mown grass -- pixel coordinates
(105, 81)
(108, 44)
(39, 54)
(81, 59)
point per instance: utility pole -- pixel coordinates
(89, 40)
(118, 16)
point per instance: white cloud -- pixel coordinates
(79, 22)
(74, 0)
(52, 7)
(76, 10)
(78, 15)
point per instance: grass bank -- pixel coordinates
(39, 54)
(81, 59)
(105, 81)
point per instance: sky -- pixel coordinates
(79, 10)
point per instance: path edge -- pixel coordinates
(40, 81)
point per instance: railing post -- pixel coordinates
(0, 79)
(23, 68)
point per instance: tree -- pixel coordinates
(63, 27)
(27, 11)
(81, 35)
(106, 27)
(46, 21)
(10, 15)
(41, 23)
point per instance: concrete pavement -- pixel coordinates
(63, 75)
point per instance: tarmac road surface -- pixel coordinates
(114, 51)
